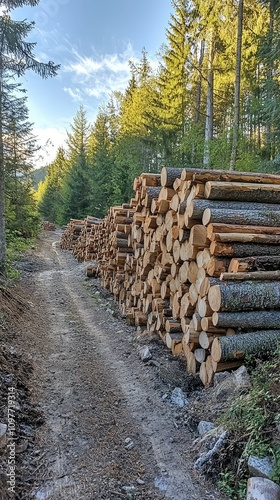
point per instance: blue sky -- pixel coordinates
(93, 40)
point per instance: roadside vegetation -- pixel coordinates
(253, 421)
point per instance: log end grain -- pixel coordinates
(214, 298)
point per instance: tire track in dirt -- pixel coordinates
(95, 393)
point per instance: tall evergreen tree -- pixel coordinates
(16, 57)
(76, 188)
(51, 191)
(172, 97)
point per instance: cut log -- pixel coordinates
(247, 319)
(266, 218)
(248, 295)
(206, 339)
(217, 265)
(242, 191)
(196, 208)
(174, 342)
(200, 355)
(255, 275)
(238, 346)
(240, 228)
(169, 175)
(243, 249)
(203, 374)
(261, 263)
(208, 326)
(202, 175)
(271, 239)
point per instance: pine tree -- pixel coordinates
(50, 191)
(172, 97)
(76, 184)
(16, 57)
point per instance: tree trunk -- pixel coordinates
(251, 319)
(199, 83)
(235, 134)
(2, 192)
(238, 346)
(209, 103)
(245, 296)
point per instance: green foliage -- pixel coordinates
(37, 176)
(234, 490)
(162, 117)
(16, 245)
(49, 195)
(252, 420)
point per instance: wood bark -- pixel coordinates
(271, 239)
(261, 263)
(238, 346)
(243, 249)
(247, 217)
(256, 275)
(248, 295)
(204, 175)
(241, 191)
(247, 319)
(213, 229)
(235, 133)
(169, 175)
(196, 208)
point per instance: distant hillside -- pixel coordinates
(38, 175)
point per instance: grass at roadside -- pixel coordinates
(253, 420)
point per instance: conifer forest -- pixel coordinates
(212, 102)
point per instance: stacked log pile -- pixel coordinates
(195, 258)
(47, 226)
(79, 236)
(70, 236)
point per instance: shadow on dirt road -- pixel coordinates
(109, 432)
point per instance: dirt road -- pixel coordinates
(110, 430)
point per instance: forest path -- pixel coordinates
(98, 397)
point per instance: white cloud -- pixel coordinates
(98, 75)
(49, 139)
(74, 93)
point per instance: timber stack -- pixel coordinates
(48, 226)
(195, 258)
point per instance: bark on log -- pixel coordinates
(241, 191)
(216, 266)
(261, 263)
(152, 192)
(196, 208)
(238, 346)
(247, 217)
(240, 228)
(271, 239)
(226, 176)
(247, 319)
(243, 249)
(248, 295)
(255, 275)
(169, 175)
